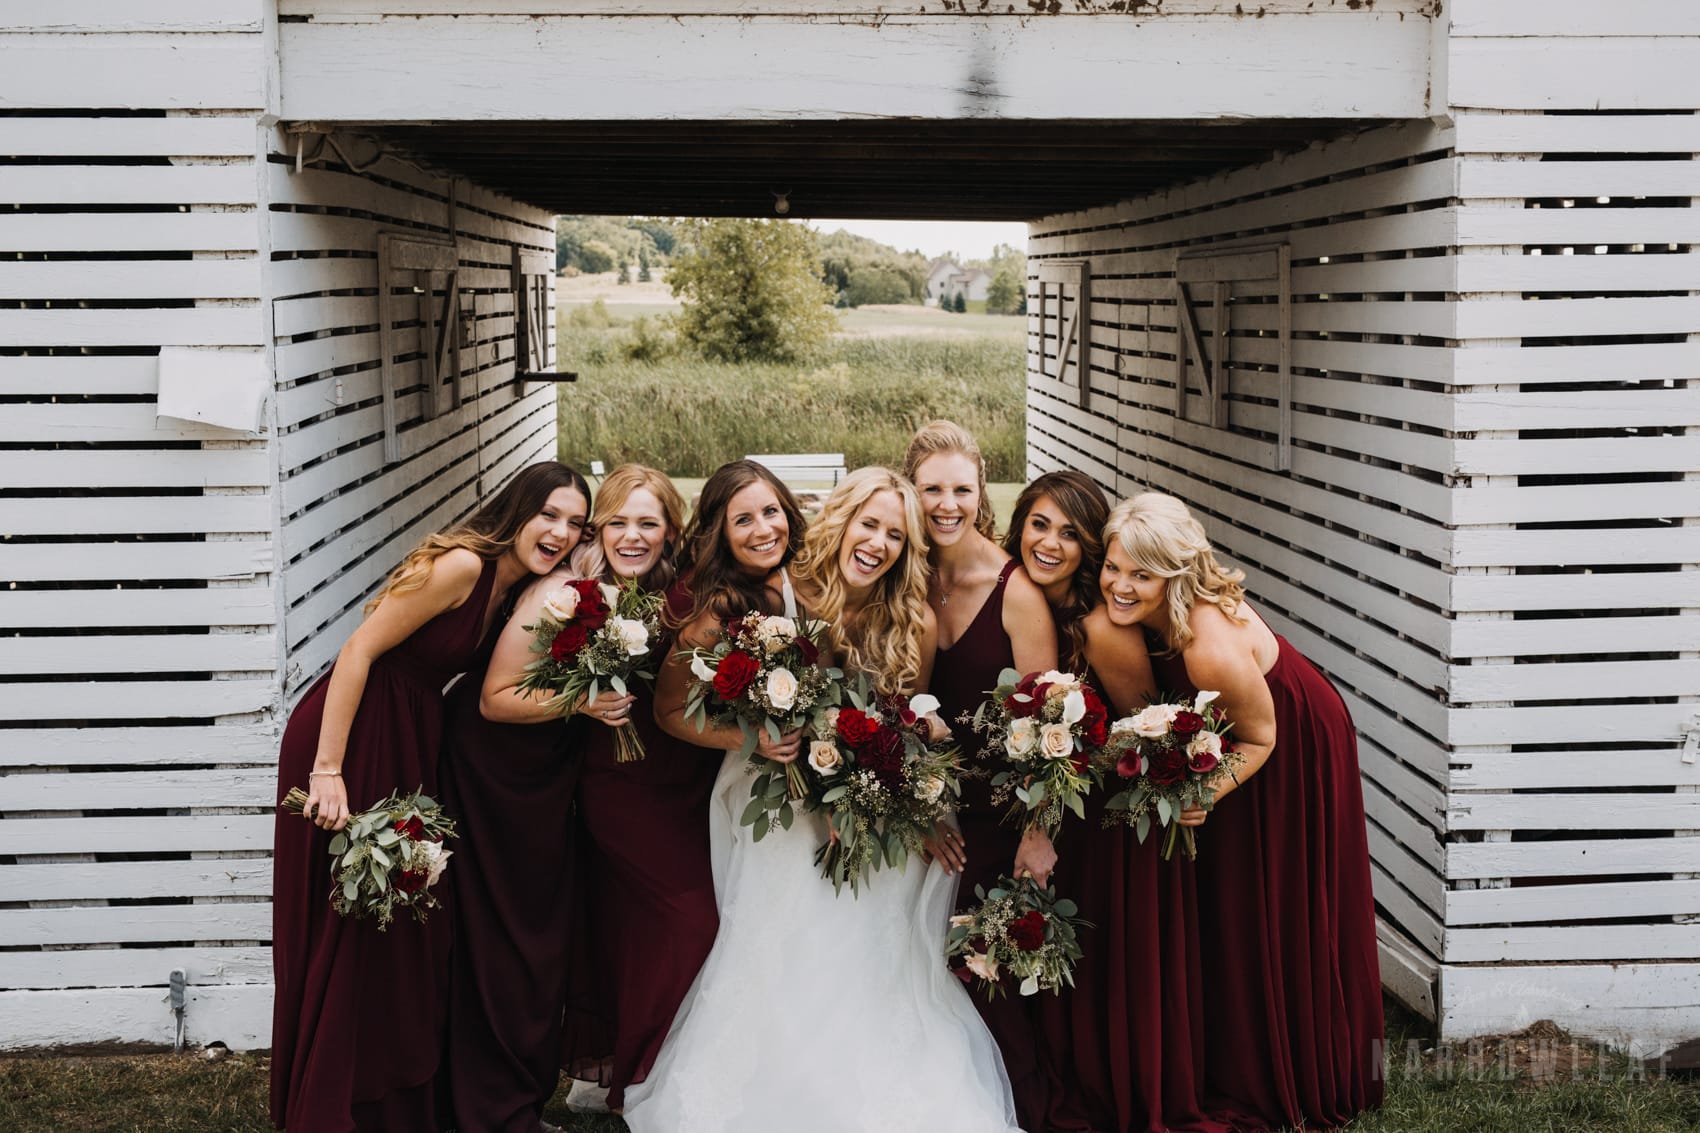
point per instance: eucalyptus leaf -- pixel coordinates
(350, 891)
(1077, 805)
(1036, 794)
(1009, 677)
(748, 747)
(1030, 986)
(786, 814)
(380, 858)
(773, 732)
(758, 805)
(1165, 812)
(1143, 826)
(761, 825)
(619, 684)
(1065, 908)
(339, 844)
(834, 794)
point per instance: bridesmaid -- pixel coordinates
(509, 766)
(647, 914)
(1132, 1024)
(991, 617)
(358, 1025)
(1286, 918)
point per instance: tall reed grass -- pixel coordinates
(863, 397)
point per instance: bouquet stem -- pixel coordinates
(295, 802)
(628, 745)
(796, 786)
(1184, 835)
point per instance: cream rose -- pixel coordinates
(930, 789)
(776, 633)
(824, 757)
(562, 604)
(633, 636)
(1058, 680)
(982, 965)
(961, 920)
(1055, 741)
(782, 689)
(1205, 743)
(437, 860)
(1023, 736)
(1153, 722)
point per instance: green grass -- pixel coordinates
(864, 398)
(1480, 1090)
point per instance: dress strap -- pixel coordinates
(1003, 575)
(789, 593)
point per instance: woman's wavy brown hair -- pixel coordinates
(891, 631)
(1082, 502)
(718, 585)
(488, 532)
(591, 561)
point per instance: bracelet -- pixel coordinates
(324, 774)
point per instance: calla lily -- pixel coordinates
(1074, 707)
(701, 670)
(923, 703)
(1203, 701)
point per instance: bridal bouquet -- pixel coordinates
(764, 675)
(882, 785)
(1044, 728)
(1170, 755)
(590, 633)
(387, 857)
(1022, 928)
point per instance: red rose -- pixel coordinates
(734, 674)
(411, 880)
(855, 727)
(569, 641)
(807, 648)
(593, 610)
(883, 755)
(1097, 719)
(1020, 709)
(1027, 932)
(1168, 767)
(1186, 723)
(1128, 765)
(410, 827)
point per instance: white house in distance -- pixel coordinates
(948, 279)
(1401, 297)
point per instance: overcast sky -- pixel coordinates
(970, 240)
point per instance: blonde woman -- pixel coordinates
(991, 617)
(818, 1011)
(1286, 919)
(358, 1027)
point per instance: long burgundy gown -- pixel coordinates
(647, 910)
(1126, 1044)
(1286, 918)
(963, 677)
(510, 788)
(357, 1026)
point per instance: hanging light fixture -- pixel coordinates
(781, 201)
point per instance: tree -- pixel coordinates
(644, 274)
(752, 290)
(595, 257)
(960, 306)
(625, 271)
(1005, 292)
(876, 285)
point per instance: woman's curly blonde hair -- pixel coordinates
(890, 630)
(1163, 537)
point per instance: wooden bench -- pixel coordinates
(814, 468)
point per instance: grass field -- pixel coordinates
(1498, 1086)
(888, 371)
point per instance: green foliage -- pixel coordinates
(1006, 293)
(865, 271)
(610, 240)
(960, 303)
(595, 257)
(876, 285)
(751, 291)
(625, 272)
(863, 397)
(644, 275)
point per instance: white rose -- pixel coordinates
(632, 635)
(782, 689)
(437, 860)
(1057, 679)
(829, 720)
(929, 789)
(1205, 742)
(562, 604)
(1153, 722)
(1023, 737)
(961, 920)
(1203, 701)
(1055, 741)
(701, 669)
(983, 965)
(1074, 706)
(776, 632)
(824, 757)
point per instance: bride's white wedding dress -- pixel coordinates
(818, 1011)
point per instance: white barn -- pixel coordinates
(1400, 295)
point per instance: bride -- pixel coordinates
(814, 1010)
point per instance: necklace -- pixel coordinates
(944, 591)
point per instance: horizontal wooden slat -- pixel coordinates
(136, 515)
(205, 468)
(105, 562)
(196, 136)
(205, 231)
(1503, 770)
(1572, 943)
(1597, 901)
(140, 923)
(1583, 811)
(130, 279)
(118, 700)
(1649, 1007)
(1586, 680)
(1550, 636)
(1592, 133)
(162, 835)
(221, 184)
(167, 71)
(120, 15)
(139, 653)
(175, 326)
(1579, 73)
(100, 881)
(54, 609)
(237, 1015)
(137, 790)
(255, 743)
(134, 967)
(1582, 857)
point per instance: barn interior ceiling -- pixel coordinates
(899, 169)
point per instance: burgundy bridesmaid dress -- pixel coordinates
(510, 789)
(357, 1026)
(1125, 1046)
(1292, 1002)
(963, 677)
(647, 910)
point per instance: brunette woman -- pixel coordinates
(1286, 919)
(646, 894)
(991, 617)
(358, 1025)
(1131, 1025)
